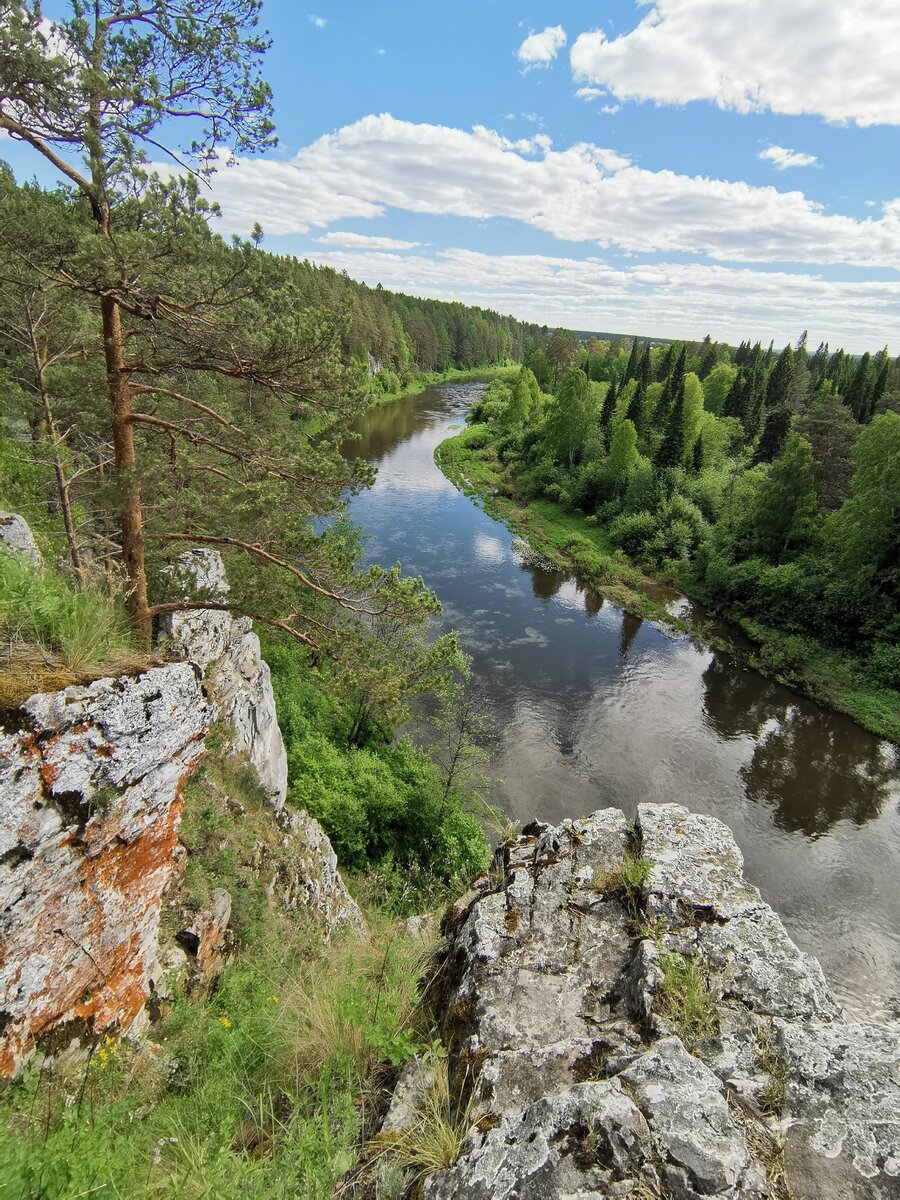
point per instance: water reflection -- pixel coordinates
(813, 772)
(593, 707)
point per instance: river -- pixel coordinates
(591, 707)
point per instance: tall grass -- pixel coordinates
(42, 609)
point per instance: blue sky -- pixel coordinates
(695, 165)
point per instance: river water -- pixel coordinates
(591, 707)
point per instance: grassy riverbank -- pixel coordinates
(565, 540)
(572, 541)
(420, 381)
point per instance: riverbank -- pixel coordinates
(570, 541)
(422, 380)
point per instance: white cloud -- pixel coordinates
(824, 57)
(319, 22)
(783, 158)
(665, 299)
(363, 241)
(581, 193)
(590, 93)
(612, 109)
(540, 49)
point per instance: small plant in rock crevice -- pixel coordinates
(686, 1001)
(626, 881)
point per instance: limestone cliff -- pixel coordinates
(663, 1038)
(90, 800)
(90, 797)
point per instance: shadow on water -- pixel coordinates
(593, 707)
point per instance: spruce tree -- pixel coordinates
(774, 434)
(671, 452)
(857, 394)
(631, 370)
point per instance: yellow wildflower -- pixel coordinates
(275, 999)
(224, 1022)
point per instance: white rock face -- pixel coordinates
(17, 538)
(554, 1009)
(90, 797)
(228, 650)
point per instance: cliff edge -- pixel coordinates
(626, 1016)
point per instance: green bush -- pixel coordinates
(383, 806)
(884, 664)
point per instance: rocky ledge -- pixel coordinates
(626, 1017)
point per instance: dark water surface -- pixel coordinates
(593, 708)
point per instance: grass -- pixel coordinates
(626, 881)
(686, 1001)
(54, 633)
(774, 1095)
(40, 608)
(435, 1137)
(421, 380)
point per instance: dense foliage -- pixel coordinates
(766, 482)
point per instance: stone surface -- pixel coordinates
(843, 1097)
(703, 1152)
(238, 678)
(698, 889)
(204, 942)
(564, 1051)
(90, 797)
(17, 538)
(590, 1140)
(305, 875)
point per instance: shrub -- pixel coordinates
(884, 664)
(382, 806)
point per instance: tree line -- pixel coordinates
(767, 481)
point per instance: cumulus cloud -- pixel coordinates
(823, 57)
(337, 237)
(581, 193)
(784, 158)
(590, 93)
(540, 49)
(667, 299)
(319, 22)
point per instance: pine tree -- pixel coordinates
(646, 370)
(778, 388)
(671, 452)
(709, 359)
(635, 410)
(665, 364)
(609, 407)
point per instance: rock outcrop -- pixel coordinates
(239, 684)
(90, 798)
(228, 651)
(652, 1033)
(16, 538)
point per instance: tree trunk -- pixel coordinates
(131, 517)
(46, 419)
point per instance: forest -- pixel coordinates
(764, 482)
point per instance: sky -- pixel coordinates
(670, 169)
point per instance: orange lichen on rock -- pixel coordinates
(90, 800)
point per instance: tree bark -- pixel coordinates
(125, 460)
